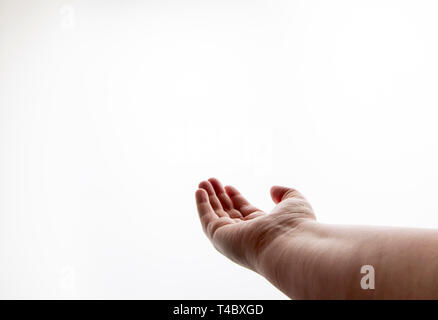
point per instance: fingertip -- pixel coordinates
(277, 193)
(206, 185)
(273, 189)
(231, 191)
(217, 185)
(201, 195)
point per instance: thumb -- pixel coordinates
(279, 194)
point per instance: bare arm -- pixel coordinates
(310, 260)
(320, 261)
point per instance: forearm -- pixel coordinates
(318, 261)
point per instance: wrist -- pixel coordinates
(310, 262)
(289, 257)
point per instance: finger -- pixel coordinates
(214, 200)
(239, 202)
(279, 194)
(224, 199)
(205, 211)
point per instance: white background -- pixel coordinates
(111, 112)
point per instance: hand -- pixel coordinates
(242, 232)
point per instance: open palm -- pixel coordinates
(238, 229)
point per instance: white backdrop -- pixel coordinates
(111, 112)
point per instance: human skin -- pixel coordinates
(306, 259)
